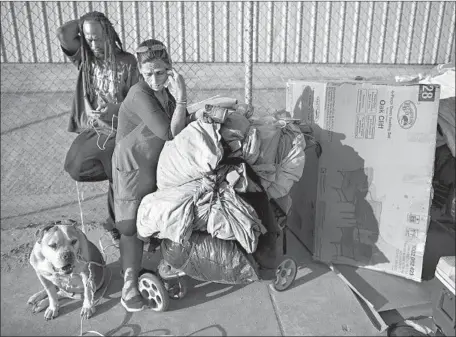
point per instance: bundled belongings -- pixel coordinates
(208, 177)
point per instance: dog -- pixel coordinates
(68, 265)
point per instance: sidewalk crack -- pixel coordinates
(275, 311)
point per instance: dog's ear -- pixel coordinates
(40, 232)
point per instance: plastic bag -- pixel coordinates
(251, 146)
(168, 214)
(282, 157)
(234, 127)
(195, 152)
(210, 259)
(269, 135)
(290, 161)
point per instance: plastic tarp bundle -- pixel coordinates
(168, 213)
(176, 212)
(206, 258)
(195, 152)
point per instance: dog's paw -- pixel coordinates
(36, 298)
(40, 306)
(51, 312)
(87, 312)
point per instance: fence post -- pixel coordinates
(248, 57)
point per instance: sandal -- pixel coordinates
(134, 304)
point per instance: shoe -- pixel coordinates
(134, 304)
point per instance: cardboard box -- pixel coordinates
(375, 172)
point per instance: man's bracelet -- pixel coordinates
(181, 102)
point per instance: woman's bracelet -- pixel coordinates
(181, 102)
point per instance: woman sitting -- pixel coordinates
(148, 117)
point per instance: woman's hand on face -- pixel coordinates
(177, 84)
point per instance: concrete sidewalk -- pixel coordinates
(317, 304)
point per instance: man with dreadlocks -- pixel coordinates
(106, 73)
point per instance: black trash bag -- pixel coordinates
(206, 258)
(267, 251)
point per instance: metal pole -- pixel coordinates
(249, 54)
(166, 17)
(121, 22)
(211, 16)
(60, 23)
(438, 32)
(284, 32)
(151, 20)
(226, 31)
(31, 34)
(2, 46)
(450, 38)
(424, 32)
(411, 33)
(196, 32)
(397, 32)
(241, 31)
(270, 31)
(340, 47)
(135, 10)
(182, 30)
(16, 32)
(298, 41)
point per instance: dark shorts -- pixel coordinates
(86, 161)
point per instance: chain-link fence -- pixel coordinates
(245, 50)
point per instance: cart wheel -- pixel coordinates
(153, 290)
(285, 274)
(177, 288)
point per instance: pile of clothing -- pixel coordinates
(203, 176)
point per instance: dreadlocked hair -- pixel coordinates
(113, 43)
(155, 50)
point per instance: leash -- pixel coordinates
(80, 207)
(103, 265)
(106, 285)
(111, 132)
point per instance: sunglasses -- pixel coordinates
(144, 49)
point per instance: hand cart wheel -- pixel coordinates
(153, 290)
(285, 274)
